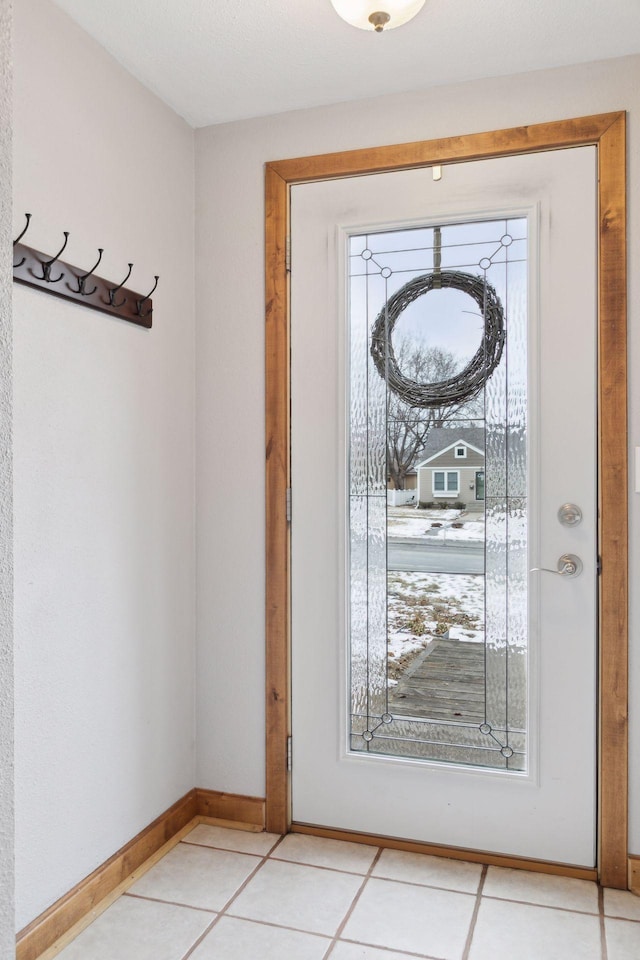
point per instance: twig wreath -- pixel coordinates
(466, 384)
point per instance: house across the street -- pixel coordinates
(452, 468)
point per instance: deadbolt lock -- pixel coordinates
(569, 515)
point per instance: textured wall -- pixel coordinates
(104, 464)
(230, 404)
(6, 536)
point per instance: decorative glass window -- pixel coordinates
(438, 621)
(461, 452)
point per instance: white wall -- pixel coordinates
(6, 520)
(230, 384)
(104, 464)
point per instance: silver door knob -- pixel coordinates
(568, 566)
(569, 515)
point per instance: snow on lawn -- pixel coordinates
(472, 530)
(425, 606)
(419, 524)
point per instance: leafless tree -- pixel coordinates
(408, 426)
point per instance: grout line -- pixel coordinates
(320, 866)
(224, 909)
(545, 906)
(426, 886)
(603, 932)
(229, 902)
(378, 876)
(204, 933)
(336, 938)
(209, 846)
(393, 950)
(474, 916)
(172, 903)
(280, 840)
(278, 926)
(359, 892)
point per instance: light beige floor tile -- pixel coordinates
(357, 951)
(294, 895)
(233, 939)
(196, 876)
(623, 939)
(519, 931)
(242, 841)
(542, 889)
(621, 903)
(411, 918)
(433, 871)
(139, 930)
(337, 854)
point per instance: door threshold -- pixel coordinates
(451, 853)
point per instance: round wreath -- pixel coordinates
(466, 384)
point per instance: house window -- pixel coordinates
(446, 482)
(461, 453)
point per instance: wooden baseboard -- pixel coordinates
(42, 932)
(82, 904)
(231, 806)
(87, 897)
(453, 853)
(634, 874)
(74, 931)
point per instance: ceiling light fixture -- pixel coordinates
(377, 15)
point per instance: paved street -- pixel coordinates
(420, 557)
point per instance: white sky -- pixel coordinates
(446, 318)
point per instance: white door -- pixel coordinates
(441, 690)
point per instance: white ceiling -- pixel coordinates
(220, 60)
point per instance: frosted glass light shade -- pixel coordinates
(377, 14)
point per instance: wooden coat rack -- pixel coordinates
(61, 279)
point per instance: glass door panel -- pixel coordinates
(438, 493)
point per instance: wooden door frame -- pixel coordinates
(607, 132)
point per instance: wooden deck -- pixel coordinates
(446, 682)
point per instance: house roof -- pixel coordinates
(441, 438)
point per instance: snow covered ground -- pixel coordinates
(403, 522)
(425, 606)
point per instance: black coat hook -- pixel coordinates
(47, 264)
(85, 276)
(17, 239)
(142, 300)
(114, 290)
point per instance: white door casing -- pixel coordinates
(550, 812)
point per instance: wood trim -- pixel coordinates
(79, 902)
(277, 481)
(634, 875)
(613, 496)
(230, 824)
(111, 897)
(231, 807)
(497, 143)
(66, 918)
(452, 853)
(606, 131)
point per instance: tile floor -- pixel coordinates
(225, 894)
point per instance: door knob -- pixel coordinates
(569, 515)
(568, 566)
